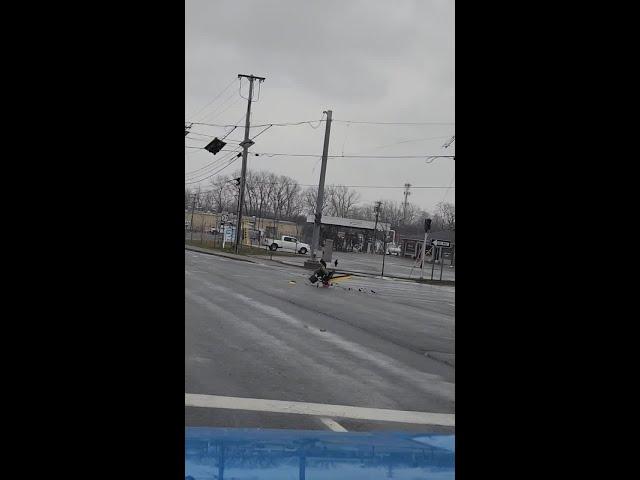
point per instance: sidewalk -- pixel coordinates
(218, 253)
(298, 261)
(448, 278)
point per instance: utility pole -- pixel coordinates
(384, 250)
(193, 207)
(320, 196)
(427, 227)
(245, 152)
(407, 186)
(375, 228)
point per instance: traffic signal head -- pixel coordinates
(427, 224)
(215, 146)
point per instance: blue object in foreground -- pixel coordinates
(243, 454)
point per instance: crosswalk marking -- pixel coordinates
(318, 409)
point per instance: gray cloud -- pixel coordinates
(366, 60)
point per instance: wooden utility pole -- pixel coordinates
(245, 151)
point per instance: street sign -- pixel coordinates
(441, 243)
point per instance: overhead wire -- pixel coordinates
(221, 105)
(195, 115)
(315, 155)
(358, 186)
(310, 122)
(392, 123)
(232, 104)
(216, 163)
(214, 173)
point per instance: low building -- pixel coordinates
(412, 247)
(348, 234)
(256, 228)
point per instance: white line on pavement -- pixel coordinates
(318, 409)
(333, 425)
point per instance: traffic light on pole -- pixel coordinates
(215, 146)
(427, 224)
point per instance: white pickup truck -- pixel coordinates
(393, 249)
(287, 243)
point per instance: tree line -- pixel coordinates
(280, 197)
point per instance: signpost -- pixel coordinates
(441, 243)
(427, 227)
(228, 234)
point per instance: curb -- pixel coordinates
(217, 254)
(356, 273)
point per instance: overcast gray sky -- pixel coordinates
(368, 60)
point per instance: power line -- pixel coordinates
(395, 123)
(214, 173)
(310, 122)
(378, 186)
(262, 132)
(216, 163)
(351, 156)
(354, 186)
(215, 98)
(214, 112)
(207, 137)
(266, 154)
(232, 104)
(285, 124)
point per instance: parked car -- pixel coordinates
(287, 243)
(393, 249)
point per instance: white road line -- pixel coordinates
(318, 409)
(333, 425)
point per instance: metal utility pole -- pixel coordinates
(245, 151)
(375, 228)
(384, 251)
(407, 186)
(427, 227)
(193, 207)
(320, 196)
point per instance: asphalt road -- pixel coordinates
(403, 267)
(261, 331)
(393, 265)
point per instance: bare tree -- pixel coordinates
(292, 204)
(342, 200)
(222, 195)
(447, 214)
(310, 198)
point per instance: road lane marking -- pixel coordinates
(332, 424)
(318, 409)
